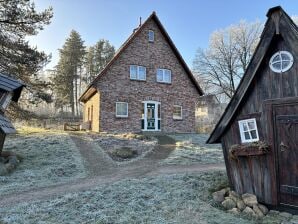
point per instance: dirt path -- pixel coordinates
(103, 171)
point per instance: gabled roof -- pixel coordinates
(278, 22)
(153, 16)
(11, 85)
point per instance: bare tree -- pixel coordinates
(220, 67)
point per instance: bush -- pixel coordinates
(123, 153)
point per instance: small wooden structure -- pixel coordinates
(10, 89)
(259, 128)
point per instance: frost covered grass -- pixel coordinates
(191, 149)
(181, 198)
(49, 158)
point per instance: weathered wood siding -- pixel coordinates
(257, 174)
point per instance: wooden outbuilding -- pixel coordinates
(259, 128)
(10, 90)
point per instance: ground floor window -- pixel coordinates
(248, 130)
(121, 109)
(177, 112)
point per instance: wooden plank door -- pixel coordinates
(286, 145)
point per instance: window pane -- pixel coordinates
(177, 113)
(142, 73)
(285, 64)
(276, 59)
(285, 56)
(121, 109)
(133, 71)
(244, 125)
(253, 134)
(151, 35)
(277, 65)
(251, 125)
(159, 75)
(158, 111)
(246, 135)
(167, 76)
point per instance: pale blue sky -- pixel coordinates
(189, 22)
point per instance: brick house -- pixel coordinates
(146, 86)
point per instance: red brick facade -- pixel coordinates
(115, 85)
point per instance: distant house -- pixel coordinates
(147, 86)
(259, 128)
(208, 112)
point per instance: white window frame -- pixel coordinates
(176, 117)
(117, 115)
(138, 67)
(151, 36)
(163, 75)
(242, 136)
(279, 53)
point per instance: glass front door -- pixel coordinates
(151, 116)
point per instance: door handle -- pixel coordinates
(283, 147)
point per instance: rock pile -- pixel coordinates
(246, 204)
(8, 162)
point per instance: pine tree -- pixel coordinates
(97, 58)
(19, 19)
(67, 77)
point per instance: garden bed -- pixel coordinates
(125, 147)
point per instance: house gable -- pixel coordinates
(279, 33)
(151, 23)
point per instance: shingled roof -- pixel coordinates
(11, 85)
(91, 89)
(278, 23)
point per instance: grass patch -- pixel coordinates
(162, 199)
(48, 158)
(191, 149)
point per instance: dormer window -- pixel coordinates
(151, 36)
(137, 72)
(281, 61)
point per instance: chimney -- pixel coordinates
(140, 21)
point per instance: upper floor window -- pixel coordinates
(151, 36)
(248, 130)
(137, 72)
(164, 75)
(281, 61)
(121, 109)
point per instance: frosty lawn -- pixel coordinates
(191, 148)
(162, 199)
(49, 158)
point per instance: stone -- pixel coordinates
(263, 208)
(228, 204)
(234, 194)
(273, 212)
(234, 211)
(285, 215)
(219, 196)
(249, 199)
(3, 170)
(258, 211)
(9, 167)
(249, 212)
(240, 205)
(13, 160)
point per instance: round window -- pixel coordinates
(281, 61)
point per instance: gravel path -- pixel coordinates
(103, 171)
